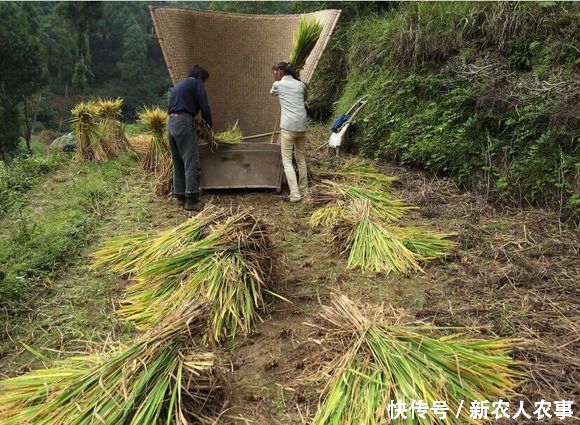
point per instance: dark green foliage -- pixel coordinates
(21, 68)
(487, 93)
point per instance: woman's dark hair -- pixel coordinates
(286, 68)
(199, 72)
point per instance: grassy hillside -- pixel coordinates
(486, 93)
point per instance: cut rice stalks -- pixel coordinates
(372, 362)
(109, 113)
(161, 378)
(88, 132)
(231, 136)
(157, 158)
(329, 194)
(130, 254)
(371, 245)
(358, 171)
(224, 261)
(304, 40)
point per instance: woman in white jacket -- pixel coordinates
(293, 124)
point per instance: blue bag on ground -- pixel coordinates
(339, 122)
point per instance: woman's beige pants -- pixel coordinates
(295, 141)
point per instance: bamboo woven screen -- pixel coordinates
(238, 51)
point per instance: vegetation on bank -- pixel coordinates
(486, 93)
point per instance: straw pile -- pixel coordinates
(113, 135)
(221, 259)
(160, 378)
(98, 131)
(360, 215)
(372, 361)
(157, 158)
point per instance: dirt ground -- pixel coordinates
(514, 274)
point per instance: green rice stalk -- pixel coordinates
(329, 193)
(359, 172)
(371, 245)
(231, 136)
(228, 269)
(375, 362)
(304, 40)
(129, 254)
(158, 379)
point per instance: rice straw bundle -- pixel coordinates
(372, 245)
(161, 378)
(113, 135)
(223, 260)
(231, 136)
(373, 362)
(88, 132)
(359, 172)
(140, 143)
(330, 194)
(228, 269)
(130, 254)
(157, 159)
(304, 40)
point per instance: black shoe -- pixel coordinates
(180, 200)
(193, 204)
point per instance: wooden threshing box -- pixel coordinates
(238, 51)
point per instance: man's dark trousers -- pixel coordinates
(185, 154)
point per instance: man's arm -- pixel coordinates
(204, 103)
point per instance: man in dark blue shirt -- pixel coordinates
(188, 98)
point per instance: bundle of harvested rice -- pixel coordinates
(330, 195)
(88, 132)
(157, 159)
(372, 245)
(231, 136)
(360, 172)
(130, 254)
(304, 40)
(113, 135)
(161, 378)
(372, 362)
(229, 270)
(223, 260)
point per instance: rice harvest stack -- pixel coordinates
(373, 361)
(88, 132)
(157, 159)
(224, 260)
(160, 378)
(372, 245)
(360, 172)
(113, 135)
(304, 40)
(140, 143)
(330, 195)
(229, 270)
(130, 254)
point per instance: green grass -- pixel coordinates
(23, 173)
(46, 232)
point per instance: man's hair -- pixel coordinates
(199, 72)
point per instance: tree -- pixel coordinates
(132, 66)
(83, 17)
(21, 68)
